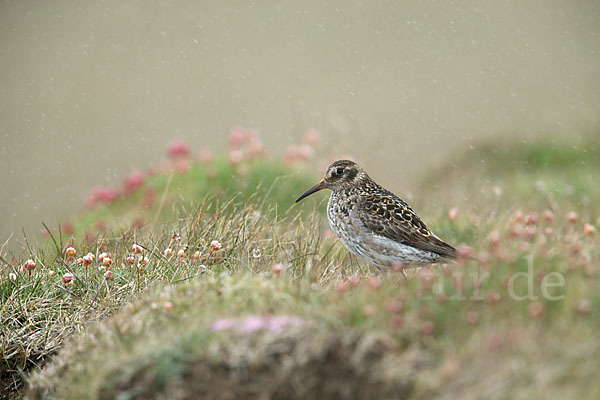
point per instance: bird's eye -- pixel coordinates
(339, 171)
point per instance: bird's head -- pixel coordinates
(339, 175)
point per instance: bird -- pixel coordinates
(375, 224)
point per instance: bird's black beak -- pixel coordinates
(321, 185)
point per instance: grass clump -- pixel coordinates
(276, 310)
(159, 197)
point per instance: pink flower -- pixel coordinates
(572, 216)
(133, 181)
(255, 323)
(305, 152)
(30, 265)
(584, 306)
(291, 154)
(67, 228)
(223, 325)
(182, 166)
(519, 217)
(235, 156)
(532, 219)
(295, 153)
(453, 213)
(494, 239)
(252, 324)
(341, 286)
(374, 282)
(206, 156)
(67, 278)
(536, 309)
(277, 269)
(279, 323)
(311, 137)
(394, 306)
(353, 281)
(472, 317)
(255, 147)
(589, 229)
(397, 267)
(464, 252)
(136, 248)
(216, 245)
(236, 137)
(101, 194)
(427, 328)
(178, 149)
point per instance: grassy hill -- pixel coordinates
(276, 310)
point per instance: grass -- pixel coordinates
(159, 198)
(279, 311)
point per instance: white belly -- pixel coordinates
(374, 248)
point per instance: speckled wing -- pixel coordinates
(388, 215)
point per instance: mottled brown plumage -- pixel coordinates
(374, 223)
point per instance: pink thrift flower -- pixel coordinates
(532, 219)
(536, 309)
(223, 325)
(108, 275)
(494, 239)
(236, 137)
(311, 137)
(178, 149)
(101, 194)
(251, 324)
(589, 229)
(255, 323)
(255, 147)
(182, 166)
(374, 282)
(67, 278)
(277, 269)
(305, 152)
(464, 252)
(472, 317)
(277, 324)
(453, 213)
(353, 281)
(67, 228)
(235, 156)
(206, 156)
(133, 181)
